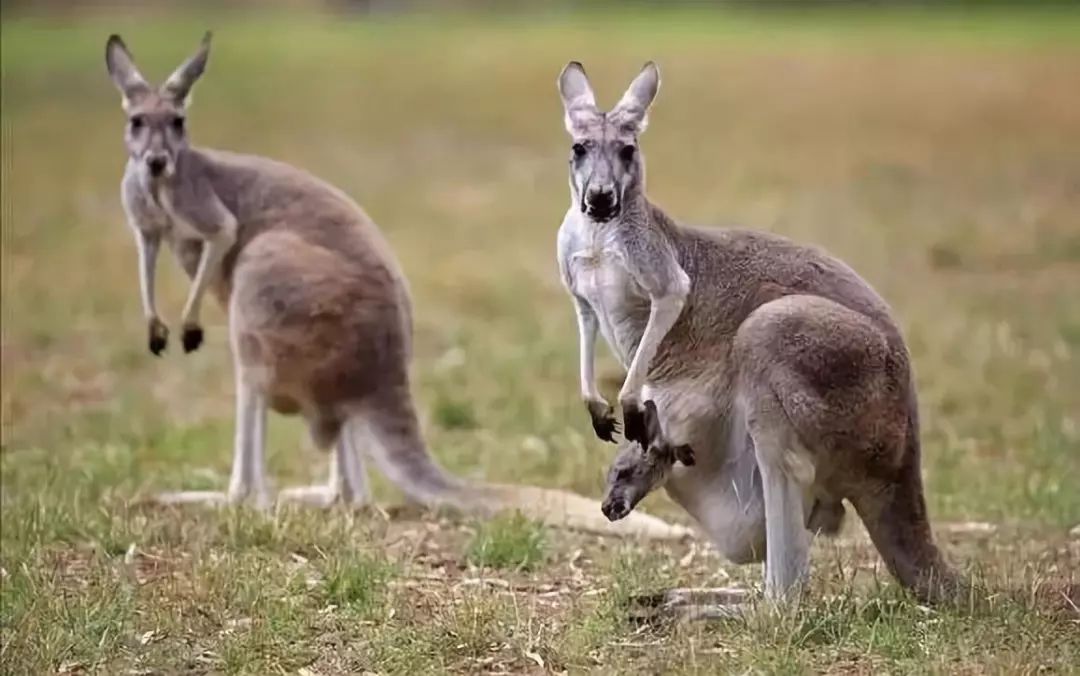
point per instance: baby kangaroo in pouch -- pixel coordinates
(773, 365)
(639, 470)
(319, 312)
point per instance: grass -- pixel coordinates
(508, 541)
(934, 152)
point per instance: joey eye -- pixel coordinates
(579, 150)
(624, 474)
(178, 124)
(137, 122)
(626, 153)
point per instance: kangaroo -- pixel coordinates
(638, 470)
(776, 363)
(319, 313)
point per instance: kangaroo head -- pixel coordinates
(634, 473)
(156, 131)
(606, 167)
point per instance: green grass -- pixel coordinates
(508, 541)
(935, 152)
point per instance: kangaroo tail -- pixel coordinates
(894, 513)
(398, 450)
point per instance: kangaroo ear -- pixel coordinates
(632, 110)
(122, 70)
(577, 97)
(178, 86)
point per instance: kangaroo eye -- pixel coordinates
(579, 150)
(626, 153)
(178, 124)
(137, 122)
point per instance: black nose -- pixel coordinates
(614, 509)
(601, 204)
(156, 165)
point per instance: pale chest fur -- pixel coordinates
(594, 270)
(155, 213)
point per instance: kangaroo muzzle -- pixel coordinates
(157, 165)
(601, 204)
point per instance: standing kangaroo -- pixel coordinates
(777, 365)
(319, 312)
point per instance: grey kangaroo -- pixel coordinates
(319, 312)
(778, 366)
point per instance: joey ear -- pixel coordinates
(632, 110)
(122, 70)
(578, 99)
(178, 86)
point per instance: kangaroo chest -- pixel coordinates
(621, 306)
(152, 212)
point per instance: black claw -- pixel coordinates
(603, 420)
(158, 335)
(605, 428)
(192, 338)
(157, 345)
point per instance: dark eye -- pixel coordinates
(624, 474)
(137, 122)
(626, 153)
(178, 124)
(579, 150)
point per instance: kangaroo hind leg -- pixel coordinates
(787, 473)
(347, 483)
(248, 480)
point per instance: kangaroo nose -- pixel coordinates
(601, 204)
(156, 165)
(614, 509)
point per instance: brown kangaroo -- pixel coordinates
(319, 312)
(780, 368)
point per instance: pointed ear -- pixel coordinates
(577, 96)
(122, 70)
(178, 86)
(632, 111)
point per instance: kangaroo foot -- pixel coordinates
(259, 501)
(689, 604)
(321, 497)
(211, 499)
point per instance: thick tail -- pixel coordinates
(894, 512)
(397, 447)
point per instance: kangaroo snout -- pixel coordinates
(157, 164)
(615, 508)
(601, 204)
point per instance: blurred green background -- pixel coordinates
(934, 149)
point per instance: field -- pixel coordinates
(936, 153)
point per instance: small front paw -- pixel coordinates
(603, 420)
(158, 336)
(192, 337)
(636, 422)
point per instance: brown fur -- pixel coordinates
(319, 311)
(776, 363)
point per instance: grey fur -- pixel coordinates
(776, 363)
(319, 313)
